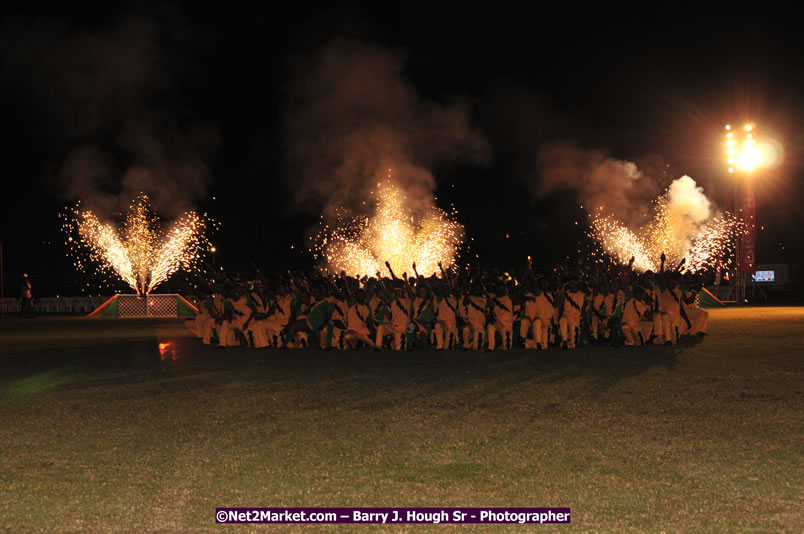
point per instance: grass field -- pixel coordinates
(98, 434)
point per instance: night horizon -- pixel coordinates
(195, 104)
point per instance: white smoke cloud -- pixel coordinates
(687, 202)
(687, 210)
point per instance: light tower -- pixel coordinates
(744, 156)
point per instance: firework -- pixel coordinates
(138, 252)
(681, 228)
(361, 245)
(714, 242)
(623, 244)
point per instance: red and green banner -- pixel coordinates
(107, 310)
(706, 299)
(185, 308)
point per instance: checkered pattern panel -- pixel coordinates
(130, 306)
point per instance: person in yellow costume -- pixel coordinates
(613, 300)
(664, 331)
(445, 329)
(212, 328)
(446, 318)
(395, 311)
(278, 316)
(297, 330)
(670, 307)
(332, 335)
(380, 315)
(423, 316)
(557, 294)
(473, 311)
(226, 331)
(256, 324)
(197, 324)
(235, 326)
(399, 308)
(615, 303)
(502, 314)
(527, 318)
(699, 319)
(532, 329)
(358, 316)
(307, 327)
(545, 310)
(420, 329)
(636, 313)
(569, 323)
(655, 332)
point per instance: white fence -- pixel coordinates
(11, 305)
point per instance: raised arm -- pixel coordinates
(388, 266)
(408, 287)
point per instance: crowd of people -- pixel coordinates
(469, 309)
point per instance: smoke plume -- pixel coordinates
(352, 119)
(604, 185)
(109, 100)
(687, 208)
(547, 147)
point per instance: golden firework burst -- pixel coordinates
(360, 245)
(137, 252)
(703, 245)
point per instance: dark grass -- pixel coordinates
(98, 434)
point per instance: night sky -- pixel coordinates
(214, 94)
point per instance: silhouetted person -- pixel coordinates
(26, 297)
